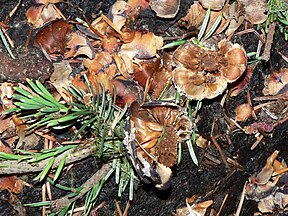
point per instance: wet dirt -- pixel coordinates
(209, 180)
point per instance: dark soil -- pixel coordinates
(209, 180)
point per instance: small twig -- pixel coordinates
(114, 123)
(147, 87)
(29, 37)
(250, 104)
(249, 31)
(48, 186)
(111, 24)
(44, 188)
(49, 191)
(223, 100)
(281, 121)
(212, 158)
(125, 213)
(92, 28)
(212, 128)
(222, 205)
(3, 25)
(256, 143)
(46, 136)
(15, 8)
(263, 105)
(259, 47)
(213, 211)
(283, 96)
(44, 199)
(269, 42)
(90, 183)
(238, 211)
(283, 56)
(232, 122)
(15, 167)
(58, 11)
(235, 164)
(119, 211)
(75, 210)
(71, 142)
(214, 141)
(94, 211)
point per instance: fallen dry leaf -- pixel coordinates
(39, 15)
(165, 8)
(9, 182)
(264, 183)
(6, 92)
(138, 3)
(127, 92)
(194, 209)
(4, 148)
(254, 11)
(119, 11)
(153, 72)
(124, 14)
(110, 44)
(267, 171)
(5, 124)
(104, 68)
(201, 141)
(276, 82)
(52, 38)
(195, 16)
(213, 4)
(78, 44)
(60, 79)
(272, 202)
(144, 45)
(124, 65)
(26, 141)
(234, 18)
(101, 62)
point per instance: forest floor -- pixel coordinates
(213, 179)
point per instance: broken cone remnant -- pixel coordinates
(153, 133)
(204, 73)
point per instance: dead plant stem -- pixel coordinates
(15, 167)
(90, 183)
